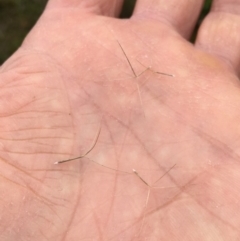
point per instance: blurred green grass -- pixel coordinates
(17, 17)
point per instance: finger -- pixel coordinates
(219, 33)
(100, 7)
(179, 14)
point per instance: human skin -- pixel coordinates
(70, 79)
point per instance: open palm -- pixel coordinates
(71, 80)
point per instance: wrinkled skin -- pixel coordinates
(70, 79)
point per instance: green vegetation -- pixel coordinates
(18, 16)
(16, 19)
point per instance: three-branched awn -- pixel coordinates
(99, 131)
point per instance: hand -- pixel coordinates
(181, 134)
